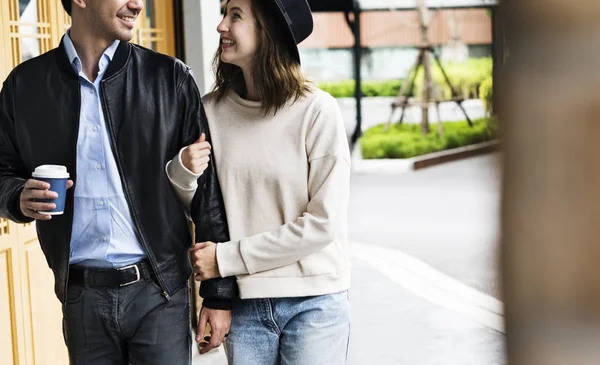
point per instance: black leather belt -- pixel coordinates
(111, 278)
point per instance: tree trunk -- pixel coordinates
(428, 82)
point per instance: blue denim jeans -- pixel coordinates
(133, 324)
(290, 331)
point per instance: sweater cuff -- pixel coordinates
(179, 175)
(229, 259)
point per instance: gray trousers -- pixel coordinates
(134, 324)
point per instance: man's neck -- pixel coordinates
(90, 49)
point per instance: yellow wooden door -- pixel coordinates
(30, 313)
(31, 27)
(42, 323)
(155, 27)
(12, 338)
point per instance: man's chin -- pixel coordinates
(125, 36)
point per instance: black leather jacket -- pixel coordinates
(152, 109)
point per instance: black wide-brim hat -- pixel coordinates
(296, 19)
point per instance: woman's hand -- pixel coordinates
(195, 157)
(204, 260)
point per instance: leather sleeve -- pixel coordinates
(13, 174)
(208, 213)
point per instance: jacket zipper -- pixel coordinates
(74, 187)
(136, 224)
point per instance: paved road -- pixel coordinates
(446, 217)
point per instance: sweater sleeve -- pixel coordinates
(328, 191)
(183, 180)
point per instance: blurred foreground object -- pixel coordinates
(550, 115)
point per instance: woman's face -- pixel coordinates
(239, 39)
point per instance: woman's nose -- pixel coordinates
(222, 27)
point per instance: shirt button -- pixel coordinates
(91, 91)
(95, 129)
(104, 238)
(101, 202)
(98, 166)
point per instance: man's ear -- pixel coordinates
(82, 4)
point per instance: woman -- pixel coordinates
(284, 169)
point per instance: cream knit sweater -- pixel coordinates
(285, 181)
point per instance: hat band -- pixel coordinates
(284, 12)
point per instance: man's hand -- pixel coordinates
(219, 321)
(36, 189)
(195, 157)
(204, 260)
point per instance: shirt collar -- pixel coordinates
(73, 57)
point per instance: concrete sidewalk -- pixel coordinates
(391, 325)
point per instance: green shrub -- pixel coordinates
(465, 77)
(342, 89)
(486, 94)
(345, 89)
(406, 140)
(383, 88)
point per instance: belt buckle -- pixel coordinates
(137, 274)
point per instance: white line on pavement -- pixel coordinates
(428, 283)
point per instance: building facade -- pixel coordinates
(389, 39)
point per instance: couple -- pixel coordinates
(271, 247)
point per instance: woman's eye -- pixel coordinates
(235, 16)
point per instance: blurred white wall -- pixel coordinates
(201, 18)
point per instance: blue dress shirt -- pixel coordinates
(103, 233)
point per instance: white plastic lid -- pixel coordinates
(51, 172)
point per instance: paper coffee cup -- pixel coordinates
(57, 177)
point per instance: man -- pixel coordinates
(113, 113)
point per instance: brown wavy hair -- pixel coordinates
(277, 74)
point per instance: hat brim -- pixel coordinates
(285, 22)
